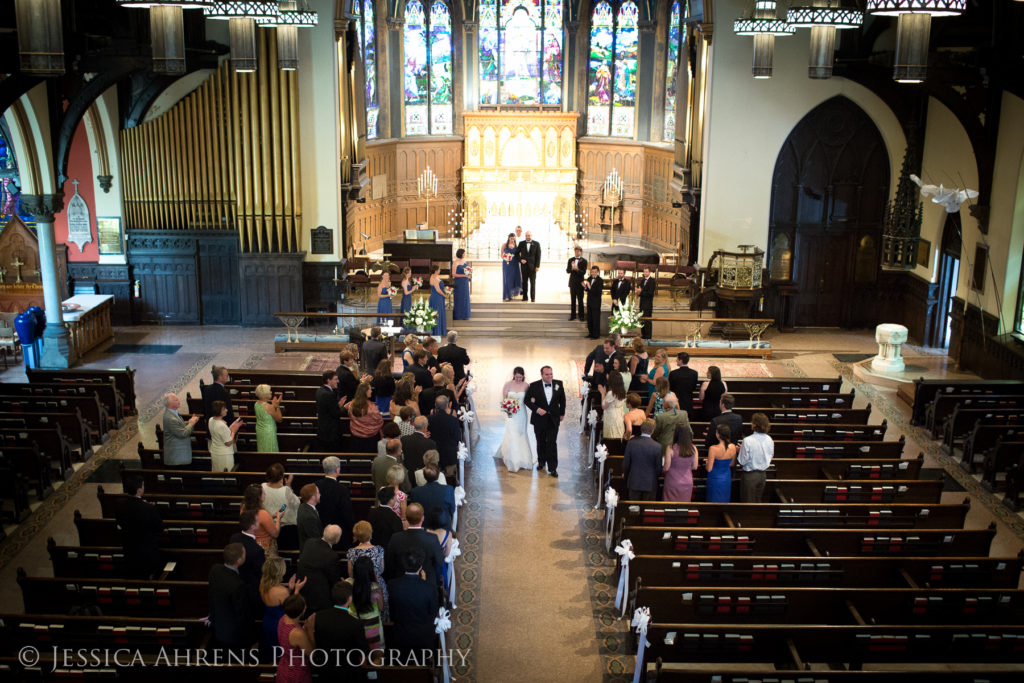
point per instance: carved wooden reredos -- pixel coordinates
(19, 245)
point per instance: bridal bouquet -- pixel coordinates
(510, 406)
(507, 257)
(625, 317)
(421, 316)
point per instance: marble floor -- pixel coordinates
(526, 572)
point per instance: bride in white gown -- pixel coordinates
(515, 447)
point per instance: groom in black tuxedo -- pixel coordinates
(577, 270)
(546, 398)
(528, 253)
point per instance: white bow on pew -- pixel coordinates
(460, 498)
(600, 454)
(463, 456)
(592, 432)
(443, 622)
(641, 618)
(453, 552)
(625, 552)
(611, 499)
(584, 390)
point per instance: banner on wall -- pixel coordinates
(79, 229)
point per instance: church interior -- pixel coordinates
(817, 204)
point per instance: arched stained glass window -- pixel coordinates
(676, 43)
(428, 69)
(520, 52)
(611, 95)
(368, 49)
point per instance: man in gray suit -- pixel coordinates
(177, 433)
(666, 421)
(642, 464)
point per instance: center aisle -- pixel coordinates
(535, 618)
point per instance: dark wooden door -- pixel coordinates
(829, 193)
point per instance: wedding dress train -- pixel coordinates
(515, 448)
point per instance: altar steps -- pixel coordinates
(518, 319)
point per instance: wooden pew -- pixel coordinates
(839, 449)
(739, 570)
(178, 533)
(801, 491)
(764, 515)
(999, 460)
(652, 540)
(748, 402)
(121, 597)
(805, 468)
(110, 399)
(147, 634)
(790, 645)
(943, 404)
(810, 434)
(75, 429)
(981, 438)
(959, 424)
(91, 409)
(37, 469)
(51, 443)
(227, 483)
(13, 496)
(123, 379)
(691, 603)
(254, 461)
(276, 378)
(925, 391)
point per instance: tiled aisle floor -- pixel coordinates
(530, 605)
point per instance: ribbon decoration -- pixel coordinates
(584, 390)
(600, 455)
(611, 499)
(641, 618)
(592, 417)
(625, 552)
(463, 455)
(460, 498)
(466, 415)
(443, 622)
(453, 552)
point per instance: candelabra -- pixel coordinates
(613, 187)
(426, 188)
(581, 218)
(462, 220)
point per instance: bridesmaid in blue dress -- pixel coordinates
(384, 297)
(511, 274)
(437, 297)
(408, 287)
(460, 287)
(720, 458)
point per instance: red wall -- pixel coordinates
(79, 168)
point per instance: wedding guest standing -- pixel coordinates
(383, 386)
(711, 392)
(645, 290)
(511, 273)
(460, 286)
(177, 433)
(408, 287)
(577, 270)
(528, 253)
(594, 286)
(683, 382)
(222, 438)
(384, 297)
(437, 299)
(620, 289)
(756, 452)
(680, 462)
(268, 414)
(613, 400)
(411, 342)
(720, 457)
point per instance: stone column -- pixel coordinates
(646, 88)
(57, 349)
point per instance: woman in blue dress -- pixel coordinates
(511, 275)
(460, 287)
(720, 458)
(384, 298)
(408, 287)
(437, 298)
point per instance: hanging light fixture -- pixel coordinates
(288, 21)
(824, 17)
(40, 37)
(167, 31)
(913, 30)
(242, 17)
(763, 25)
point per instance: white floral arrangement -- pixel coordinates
(421, 316)
(625, 317)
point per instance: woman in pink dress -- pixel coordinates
(296, 645)
(680, 462)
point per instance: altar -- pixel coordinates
(87, 317)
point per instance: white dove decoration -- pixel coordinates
(949, 197)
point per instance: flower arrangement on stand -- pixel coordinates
(510, 406)
(421, 317)
(625, 317)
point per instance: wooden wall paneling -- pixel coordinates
(270, 283)
(218, 280)
(113, 279)
(975, 344)
(165, 264)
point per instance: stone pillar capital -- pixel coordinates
(42, 207)
(470, 26)
(647, 26)
(395, 24)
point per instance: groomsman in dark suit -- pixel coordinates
(594, 286)
(577, 270)
(646, 288)
(546, 399)
(620, 289)
(528, 253)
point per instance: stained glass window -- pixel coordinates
(520, 52)
(611, 94)
(368, 49)
(428, 69)
(676, 41)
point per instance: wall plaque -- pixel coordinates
(321, 240)
(79, 228)
(108, 231)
